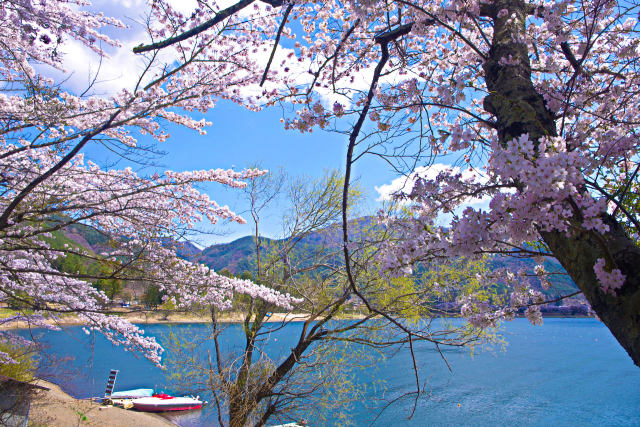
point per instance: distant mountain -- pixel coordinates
(186, 250)
(88, 237)
(239, 255)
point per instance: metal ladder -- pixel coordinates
(111, 382)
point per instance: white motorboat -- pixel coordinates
(163, 402)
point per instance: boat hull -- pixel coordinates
(155, 404)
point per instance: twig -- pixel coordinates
(4, 219)
(416, 375)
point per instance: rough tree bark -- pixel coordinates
(520, 109)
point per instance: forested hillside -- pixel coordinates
(239, 256)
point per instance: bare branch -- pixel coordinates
(577, 66)
(275, 43)
(220, 16)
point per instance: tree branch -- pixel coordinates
(352, 142)
(577, 66)
(275, 44)
(220, 16)
(4, 219)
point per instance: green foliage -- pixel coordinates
(168, 307)
(395, 290)
(81, 416)
(337, 368)
(6, 312)
(110, 286)
(26, 363)
(226, 273)
(246, 275)
(153, 296)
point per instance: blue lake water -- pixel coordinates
(566, 372)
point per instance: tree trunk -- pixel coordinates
(519, 109)
(242, 401)
(578, 254)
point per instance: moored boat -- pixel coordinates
(163, 402)
(132, 394)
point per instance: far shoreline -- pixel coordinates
(161, 318)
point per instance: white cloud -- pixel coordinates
(82, 66)
(404, 184)
(188, 6)
(120, 68)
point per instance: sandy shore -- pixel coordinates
(231, 317)
(156, 317)
(56, 408)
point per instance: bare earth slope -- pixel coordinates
(56, 408)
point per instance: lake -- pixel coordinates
(566, 372)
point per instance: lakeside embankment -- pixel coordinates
(157, 317)
(55, 408)
(142, 317)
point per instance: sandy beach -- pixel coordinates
(56, 408)
(158, 317)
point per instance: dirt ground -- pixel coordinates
(55, 408)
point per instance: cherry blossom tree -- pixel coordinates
(534, 105)
(46, 185)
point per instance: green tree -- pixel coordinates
(94, 268)
(250, 388)
(153, 296)
(109, 285)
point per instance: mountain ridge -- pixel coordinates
(238, 255)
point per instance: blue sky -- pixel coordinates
(239, 138)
